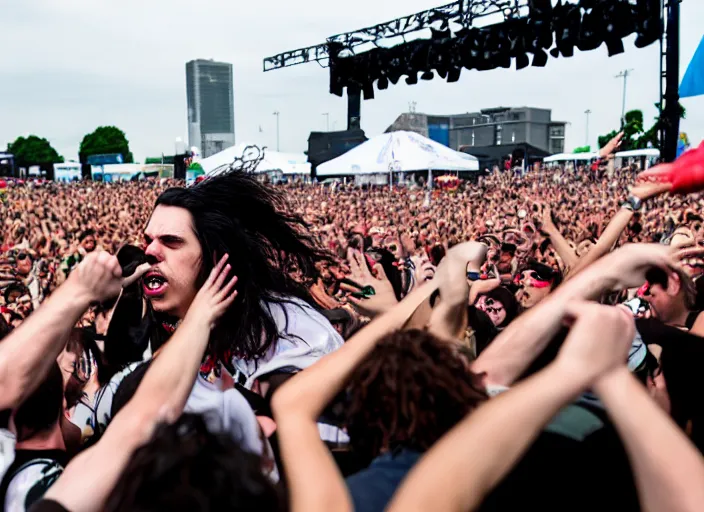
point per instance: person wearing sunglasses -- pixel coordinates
(500, 305)
(535, 283)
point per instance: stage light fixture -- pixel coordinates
(453, 75)
(540, 58)
(368, 90)
(591, 34)
(567, 19)
(382, 83)
(522, 61)
(649, 22)
(615, 46)
(539, 24)
(618, 23)
(428, 75)
(412, 79)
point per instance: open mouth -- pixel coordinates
(154, 284)
(695, 265)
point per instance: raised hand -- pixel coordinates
(99, 276)
(611, 146)
(626, 267)
(383, 297)
(599, 340)
(216, 295)
(645, 190)
(685, 175)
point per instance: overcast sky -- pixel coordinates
(69, 66)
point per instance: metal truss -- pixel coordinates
(462, 12)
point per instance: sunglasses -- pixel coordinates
(22, 256)
(534, 279)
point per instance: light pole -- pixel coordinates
(587, 112)
(624, 74)
(327, 120)
(277, 113)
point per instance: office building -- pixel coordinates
(211, 112)
(491, 134)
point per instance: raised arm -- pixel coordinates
(449, 318)
(314, 481)
(161, 396)
(568, 255)
(618, 224)
(466, 464)
(669, 470)
(512, 352)
(29, 351)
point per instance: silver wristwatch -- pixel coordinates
(633, 203)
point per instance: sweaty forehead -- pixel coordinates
(169, 220)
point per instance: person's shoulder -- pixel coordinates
(30, 481)
(372, 488)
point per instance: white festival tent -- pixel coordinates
(564, 157)
(569, 157)
(398, 152)
(273, 161)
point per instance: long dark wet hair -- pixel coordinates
(269, 248)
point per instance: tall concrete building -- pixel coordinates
(211, 113)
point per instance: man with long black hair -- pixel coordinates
(272, 330)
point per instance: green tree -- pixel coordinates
(105, 140)
(35, 150)
(634, 136)
(583, 149)
(632, 130)
(633, 127)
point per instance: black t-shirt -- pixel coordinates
(47, 506)
(562, 473)
(30, 475)
(5, 418)
(681, 362)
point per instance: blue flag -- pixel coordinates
(693, 81)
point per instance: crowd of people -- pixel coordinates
(527, 339)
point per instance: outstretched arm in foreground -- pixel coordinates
(512, 352)
(161, 396)
(29, 351)
(466, 464)
(669, 470)
(314, 481)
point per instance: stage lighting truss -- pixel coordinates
(462, 12)
(512, 30)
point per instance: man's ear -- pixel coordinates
(674, 284)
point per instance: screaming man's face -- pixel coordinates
(175, 254)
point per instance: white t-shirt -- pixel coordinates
(7, 450)
(30, 483)
(229, 412)
(305, 337)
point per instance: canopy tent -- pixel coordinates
(285, 163)
(570, 157)
(635, 153)
(398, 152)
